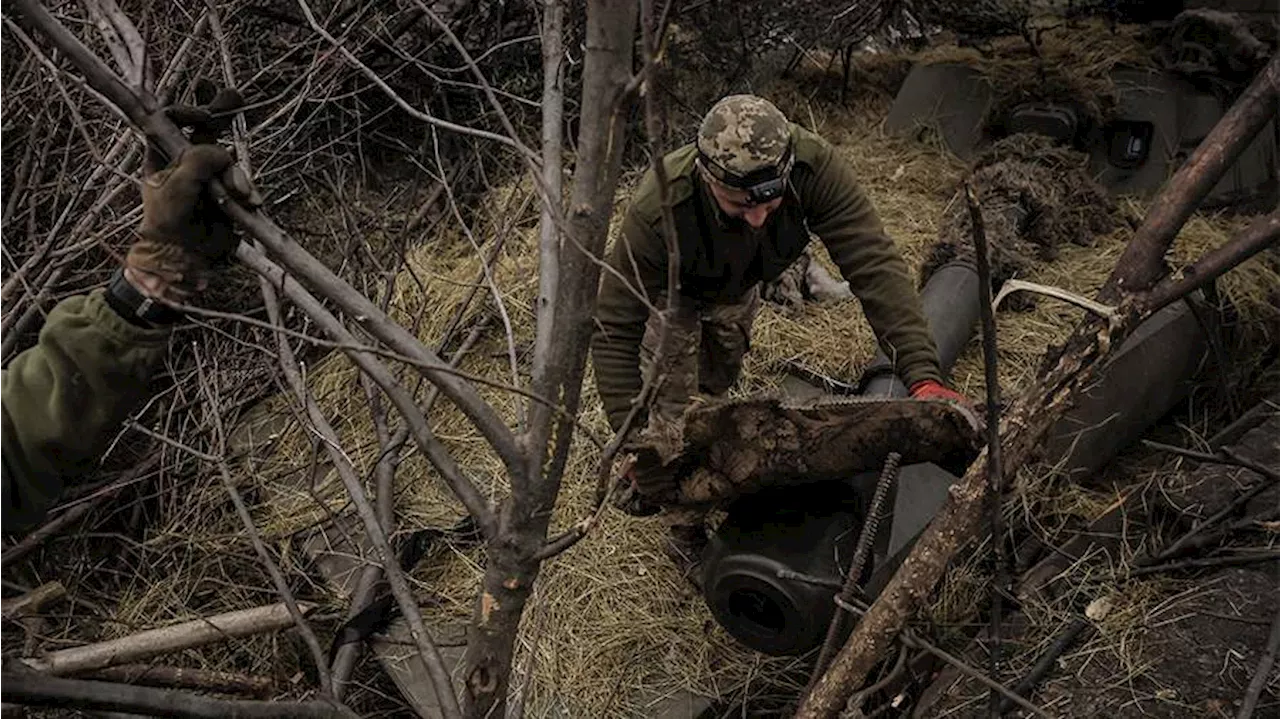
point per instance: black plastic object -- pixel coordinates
(811, 529)
(1056, 121)
(1129, 143)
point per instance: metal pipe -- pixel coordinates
(951, 305)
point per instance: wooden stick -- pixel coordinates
(995, 474)
(161, 675)
(35, 689)
(1262, 673)
(153, 642)
(31, 602)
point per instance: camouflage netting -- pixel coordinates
(1035, 197)
(742, 446)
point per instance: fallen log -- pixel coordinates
(153, 642)
(35, 689)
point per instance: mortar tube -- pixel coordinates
(951, 304)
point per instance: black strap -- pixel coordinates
(137, 308)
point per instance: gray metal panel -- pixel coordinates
(922, 488)
(952, 97)
(1150, 374)
(1143, 96)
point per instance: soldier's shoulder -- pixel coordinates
(646, 202)
(811, 148)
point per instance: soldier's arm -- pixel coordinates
(639, 265)
(840, 213)
(64, 398)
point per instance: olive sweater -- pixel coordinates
(66, 397)
(719, 262)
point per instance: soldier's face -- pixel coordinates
(736, 204)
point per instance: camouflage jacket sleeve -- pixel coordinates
(842, 216)
(637, 268)
(64, 398)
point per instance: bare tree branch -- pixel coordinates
(213, 412)
(552, 177)
(1069, 372)
(34, 689)
(161, 131)
(511, 142)
(373, 528)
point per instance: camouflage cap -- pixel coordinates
(744, 133)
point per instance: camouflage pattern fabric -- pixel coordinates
(705, 346)
(733, 448)
(744, 133)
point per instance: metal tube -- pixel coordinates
(951, 305)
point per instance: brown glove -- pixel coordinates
(184, 229)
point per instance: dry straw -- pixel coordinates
(619, 628)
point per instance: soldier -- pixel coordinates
(65, 397)
(745, 197)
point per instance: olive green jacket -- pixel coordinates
(719, 262)
(65, 398)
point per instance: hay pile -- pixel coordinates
(615, 626)
(611, 627)
(1072, 63)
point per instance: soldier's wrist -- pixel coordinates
(135, 296)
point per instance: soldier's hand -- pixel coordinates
(184, 229)
(643, 488)
(931, 389)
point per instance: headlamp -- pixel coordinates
(765, 184)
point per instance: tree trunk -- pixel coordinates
(512, 565)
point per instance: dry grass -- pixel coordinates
(618, 627)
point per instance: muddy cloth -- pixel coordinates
(65, 397)
(733, 448)
(722, 260)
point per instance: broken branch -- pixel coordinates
(160, 675)
(1261, 234)
(34, 689)
(153, 642)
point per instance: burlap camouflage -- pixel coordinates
(743, 133)
(737, 447)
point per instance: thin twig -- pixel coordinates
(1047, 661)
(1223, 456)
(213, 412)
(398, 100)
(995, 476)
(1262, 674)
(76, 512)
(911, 638)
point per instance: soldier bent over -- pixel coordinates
(745, 197)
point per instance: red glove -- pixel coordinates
(932, 389)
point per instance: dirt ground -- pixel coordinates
(1173, 644)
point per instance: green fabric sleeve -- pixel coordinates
(639, 253)
(843, 217)
(65, 397)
